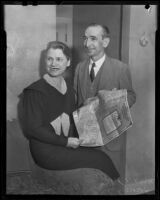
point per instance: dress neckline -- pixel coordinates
(54, 82)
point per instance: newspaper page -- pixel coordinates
(104, 118)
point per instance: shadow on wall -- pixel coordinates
(78, 54)
(20, 114)
(42, 69)
(76, 57)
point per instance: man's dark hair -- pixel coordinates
(105, 29)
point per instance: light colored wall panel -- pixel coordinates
(28, 29)
(141, 137)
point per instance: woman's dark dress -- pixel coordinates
(41, 104)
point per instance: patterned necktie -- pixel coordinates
(92, 74)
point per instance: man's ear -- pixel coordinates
(106, 42)
(68, 63)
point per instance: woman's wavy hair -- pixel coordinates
(60, 45)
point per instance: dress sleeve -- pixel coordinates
(126, 83)
(33, 106)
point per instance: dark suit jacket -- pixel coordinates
(112, 74)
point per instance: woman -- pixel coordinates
(47, 117)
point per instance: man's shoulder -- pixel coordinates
(83, 63)
(114, 62)
(81, 66)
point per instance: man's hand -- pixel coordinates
(73, 142)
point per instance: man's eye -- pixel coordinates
(93, 38)
(89, 38)
(84, 38)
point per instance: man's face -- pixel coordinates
(56, 62)
(94, 42)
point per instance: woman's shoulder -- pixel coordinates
(38, 86)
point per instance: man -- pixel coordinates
(102, 72)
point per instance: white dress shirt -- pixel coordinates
(98, 64)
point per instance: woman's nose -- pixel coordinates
(53, 62)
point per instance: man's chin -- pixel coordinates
(90, 54)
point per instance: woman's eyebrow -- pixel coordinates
(59, 57)
(49, 56)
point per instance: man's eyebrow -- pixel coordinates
(85, 37)
(92, 36)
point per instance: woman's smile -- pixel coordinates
(54, 68)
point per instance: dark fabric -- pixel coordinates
(92, 74)
(112, 74)
(41, 104)
(53, 157)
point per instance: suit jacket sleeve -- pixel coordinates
(76, 80)
(34, 123)
(126, 83)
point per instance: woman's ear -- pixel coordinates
(68, 63)
(106, 42)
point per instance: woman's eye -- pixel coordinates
(49, 59)
(59, 59)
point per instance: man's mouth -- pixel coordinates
(90, 50)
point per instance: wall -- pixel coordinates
(141, 137)
(64, 29)
(29, 29)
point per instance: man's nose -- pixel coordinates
(87, 42)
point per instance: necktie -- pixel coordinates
(92, 75)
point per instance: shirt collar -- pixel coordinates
(99, 62)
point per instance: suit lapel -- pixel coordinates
(102, 78)
(105, 74)
(102, 74)
(84, 77)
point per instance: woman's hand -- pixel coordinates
(89, 100)
(73, 142)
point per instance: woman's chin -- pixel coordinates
(54, 74)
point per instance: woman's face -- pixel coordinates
(56, 62)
